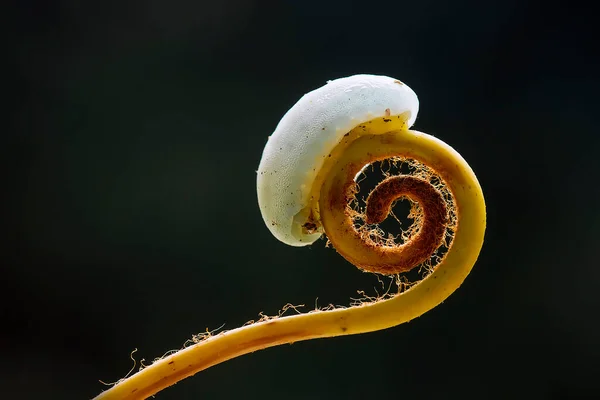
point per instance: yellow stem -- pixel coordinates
(382, 314)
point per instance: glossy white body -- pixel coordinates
(307, 134)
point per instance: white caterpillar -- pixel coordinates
(307, 134)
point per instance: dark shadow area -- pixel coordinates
(130, 216)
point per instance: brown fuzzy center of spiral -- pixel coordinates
(431, 232)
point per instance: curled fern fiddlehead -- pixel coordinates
(307, 183)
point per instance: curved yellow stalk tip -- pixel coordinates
(375, 139)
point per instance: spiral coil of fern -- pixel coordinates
(306, 184)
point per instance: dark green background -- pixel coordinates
(130, 213)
